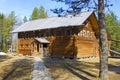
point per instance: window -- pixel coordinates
(59, 33)
(36, 33)
(26, 35)
(21, 45)
(33, 34)
(47, 34)
(20, 35)
(68, 33)
(41, 35)
(30, 35)
(27, 45)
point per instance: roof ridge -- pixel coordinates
(61, 16)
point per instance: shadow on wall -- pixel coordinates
(63, 47)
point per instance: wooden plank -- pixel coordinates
(114, 51)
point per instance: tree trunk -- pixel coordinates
(103, 74)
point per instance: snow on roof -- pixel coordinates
(54, 22)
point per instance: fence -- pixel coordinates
(115, 48)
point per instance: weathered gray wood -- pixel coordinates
(114, 51)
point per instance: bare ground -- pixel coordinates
(87, 69)
(16, 67)
(21, 68)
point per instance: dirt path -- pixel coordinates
(40, 72)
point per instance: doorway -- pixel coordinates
(37, 47)
(45, 49)
(41, 46)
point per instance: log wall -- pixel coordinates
(24, 46)
(76, 41)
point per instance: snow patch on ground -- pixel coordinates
(2, 53)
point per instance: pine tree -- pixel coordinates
(113, 26)
(12, 18)
(38, 13)
(25, 19)
(2, 24)
(35, 14)
(42, 13)
(6, 25)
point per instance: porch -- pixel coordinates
(40, 47)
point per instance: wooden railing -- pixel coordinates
(115, 47)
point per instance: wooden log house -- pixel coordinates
(66, 36)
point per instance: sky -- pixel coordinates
(25, 7)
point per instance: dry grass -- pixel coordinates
(16, 68)
(20, 68)
(87, 69)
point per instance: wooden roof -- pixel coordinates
(54, 22)
(42, 40)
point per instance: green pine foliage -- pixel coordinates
(38, 13)
(42, 13)
(6, 25)
(25, 19)
(35, 14)
(113, 27)
(12, 18)
(2, 25)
